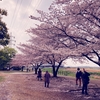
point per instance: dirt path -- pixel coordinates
(26, 87)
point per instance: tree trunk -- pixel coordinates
(36, 70)
(54, 71)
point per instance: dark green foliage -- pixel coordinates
(4, 36)
(3, 12)
(5, 56)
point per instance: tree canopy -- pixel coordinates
(75, 25)
(69, 30)
(4, 36)
(6, 54)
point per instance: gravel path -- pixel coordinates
(26, 87)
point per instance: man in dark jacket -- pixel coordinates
(85, 80)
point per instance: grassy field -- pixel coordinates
(2, 77)
(94, 72)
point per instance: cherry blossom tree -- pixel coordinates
(19, 60)
(87, 16)
(38, 52)
(70, 29)
(75, 25)
(43, 40)
(32, 54)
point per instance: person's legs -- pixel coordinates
(76, 81)
(80, 82)
(86, 89)
(83, 87)
(45, 84)
(48, 84)
(41, 78)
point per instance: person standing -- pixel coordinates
(46, 79)
(39, 75)
(85, 81)
(78, 77)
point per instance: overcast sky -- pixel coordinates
(18, 20)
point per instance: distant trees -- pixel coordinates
(18, 60)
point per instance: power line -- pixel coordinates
(16, 13)
(25, 10)
(18, 8)
(36, 5)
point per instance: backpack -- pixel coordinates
(87, 77)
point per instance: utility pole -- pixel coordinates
(12, 40)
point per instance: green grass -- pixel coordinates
(60, 72)
(95, 73)
(64, 72)
(47, 69)
(2, 78)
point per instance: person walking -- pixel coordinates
(85, 81)
(46, 79)
(78, 77)
(39, 75)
